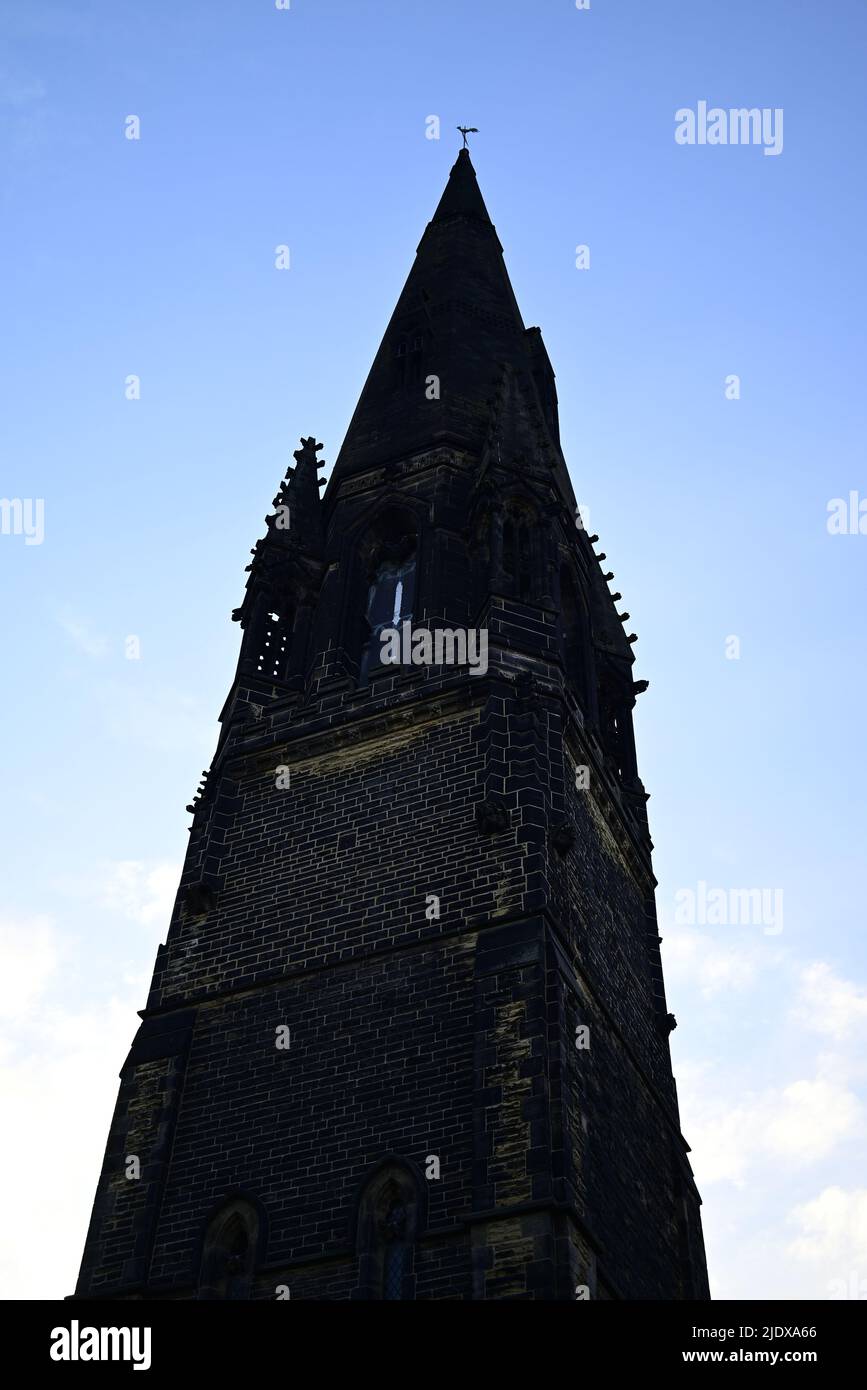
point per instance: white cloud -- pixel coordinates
(58, 1082)
(138, 890)
(833, 1227)
(808, 1119)
(693, 958)
(831, 1250)
(773, 1118)
(58, 1097)
(788, 1127)
(720, 1146)
(829, 1005)
(30, 955)
(143, 894)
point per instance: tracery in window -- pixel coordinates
(518, 552)
(229, 1252)
(388, 1224)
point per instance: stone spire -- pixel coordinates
(455, 328)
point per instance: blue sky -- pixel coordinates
(155, 257)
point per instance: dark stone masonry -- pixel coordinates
(408, 1036)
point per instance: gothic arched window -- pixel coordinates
(229, 1254)
(390, 598)
(518, 552)
(574, 638)
(615, 722)
(388, 1223)
(392, 1232)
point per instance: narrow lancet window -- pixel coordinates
(389, 603)
(388, 1226)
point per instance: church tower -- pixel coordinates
(407, 1037)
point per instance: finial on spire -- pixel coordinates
(308, 451)
(467, 130)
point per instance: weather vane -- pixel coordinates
(468, 130)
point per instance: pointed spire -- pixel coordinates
(462, 196)
(456, 327)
